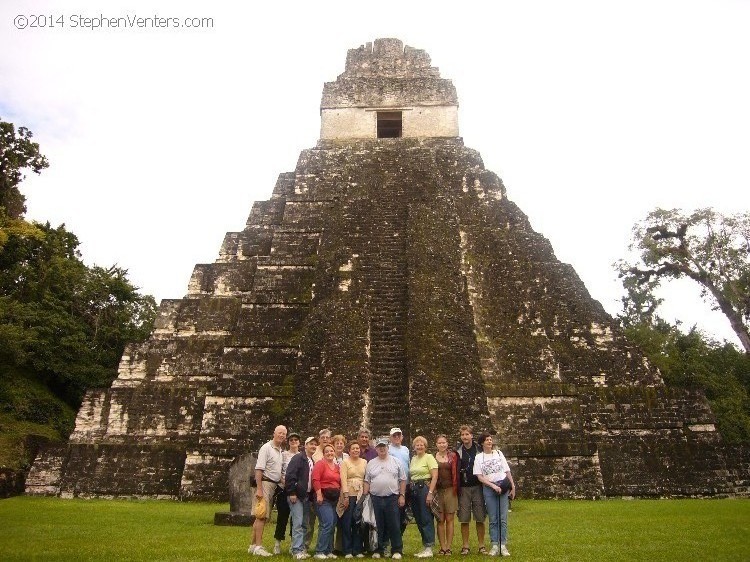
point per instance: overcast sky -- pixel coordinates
(592, 113)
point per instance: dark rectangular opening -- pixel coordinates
(389, 124)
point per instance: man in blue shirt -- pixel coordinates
(396, 449)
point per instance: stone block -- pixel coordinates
(269, 325)
(294, 247)
(127, 471)
(222, 279)
(46, 473)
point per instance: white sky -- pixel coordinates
(592, 113)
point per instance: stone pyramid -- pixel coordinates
(389, 281)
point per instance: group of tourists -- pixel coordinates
(328, 479)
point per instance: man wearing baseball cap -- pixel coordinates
(385, 481)
(298, 484)
(282, 506)
(396, 449)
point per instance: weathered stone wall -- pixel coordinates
(106, 470)
(388, 58)
(431, 122)
(389, 282)
(388, 75)
(361, 123)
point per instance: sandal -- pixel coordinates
(441, 553)
(448, 552)
(465, 550)
(482, 550)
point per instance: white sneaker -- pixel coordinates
(320, 556)
(360, 555)
(504, 550)
(301, 556)
(277, 547)
(376, 555)
(260, 551)
(396, 556)
(331, 555)
(494, 550)
(426, 552)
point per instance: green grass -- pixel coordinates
(56, 529)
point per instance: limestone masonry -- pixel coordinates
(389, 281)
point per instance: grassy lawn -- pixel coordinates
(56, 529)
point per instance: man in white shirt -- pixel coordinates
(385, 481)
(267, 477)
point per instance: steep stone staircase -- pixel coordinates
(386, 270)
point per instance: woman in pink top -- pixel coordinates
(326, 481)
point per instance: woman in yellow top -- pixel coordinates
(352, 475)
(423, 472)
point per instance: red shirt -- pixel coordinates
(323, 476)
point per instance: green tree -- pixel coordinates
(67, 322)
(17, 154)
(62, 321)
(706, 246)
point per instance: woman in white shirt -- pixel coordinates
(497, 485)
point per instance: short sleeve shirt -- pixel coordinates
(270, 460)
(420, 468)
(402, 454)
(384, 476)
(492, 466)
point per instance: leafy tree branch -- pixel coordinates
(17, 154)
(706, 246)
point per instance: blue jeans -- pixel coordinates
(497, 510)
(328, 519)
(351, 539)
(300, 511)
(387, 521)
(422, 513)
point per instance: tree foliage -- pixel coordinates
(706, 246)
(17, 154)
(61, 321)
(65, 321)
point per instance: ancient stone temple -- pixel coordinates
(389, 281)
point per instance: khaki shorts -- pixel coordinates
(269, 489)
(448, 501)
(471, 501)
